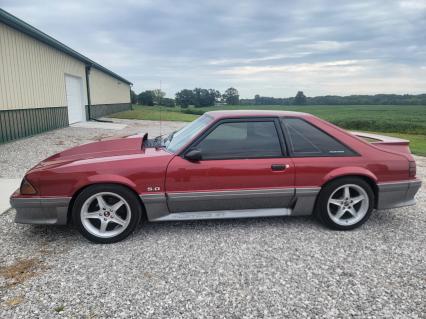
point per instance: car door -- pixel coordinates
(243, 166)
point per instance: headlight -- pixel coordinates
(27, 188)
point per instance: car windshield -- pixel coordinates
(177, 139)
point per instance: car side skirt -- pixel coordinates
(236, 204)
(183, 202)
(226, 214)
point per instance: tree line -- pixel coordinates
(301, 99)
(199, 97)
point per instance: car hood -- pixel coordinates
(106, 149)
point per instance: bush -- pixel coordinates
(184, 98)
(168, 102)
(193, 111)
(146, 98)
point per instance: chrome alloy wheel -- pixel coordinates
(105, 214)
(348, 204)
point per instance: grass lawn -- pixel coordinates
(404, 121)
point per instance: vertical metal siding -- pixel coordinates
(15, 124)
(32, 73)
(105, 89)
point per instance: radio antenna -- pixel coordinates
(161, 117)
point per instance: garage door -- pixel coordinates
(74, 87)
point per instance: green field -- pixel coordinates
(405, 121)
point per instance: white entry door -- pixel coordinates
(74, 88)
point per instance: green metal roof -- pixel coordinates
(29, 30)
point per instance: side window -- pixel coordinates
(241, 140)
(307, 140)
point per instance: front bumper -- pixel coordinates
(41, 210)
(397, 194)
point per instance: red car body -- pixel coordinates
(165, 181)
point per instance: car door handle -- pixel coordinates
(279, 167)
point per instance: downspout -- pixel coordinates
(89, 103)
(130, 92)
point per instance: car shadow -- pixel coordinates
(70, 234)
(307, 224)
(228, 225)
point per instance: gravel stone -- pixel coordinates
(289, 267)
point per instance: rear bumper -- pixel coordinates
(397, 194)
(41, 211)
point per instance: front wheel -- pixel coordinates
(345, 203)
(106, 213)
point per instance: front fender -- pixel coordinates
(348, 171)
(103, 179)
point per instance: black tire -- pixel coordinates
(321, 209)
(121, 191)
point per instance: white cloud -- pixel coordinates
(259, 59)
(340, 66)
(327, 45)
(286, 39)
(413, 4)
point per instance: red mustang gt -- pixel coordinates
(225, 164)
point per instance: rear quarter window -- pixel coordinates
(306, 140)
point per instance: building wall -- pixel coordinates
(32, 86)
(32, 74)
(20, 123)
(105, 89)
(101, 110)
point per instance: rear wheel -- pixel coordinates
(345, 203)
(106, 213)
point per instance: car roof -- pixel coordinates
(254, 113)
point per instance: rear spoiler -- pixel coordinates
(390, 143)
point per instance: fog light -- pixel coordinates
(27, 188)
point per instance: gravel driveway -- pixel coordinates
(273, 267)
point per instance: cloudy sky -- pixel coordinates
(271, 48)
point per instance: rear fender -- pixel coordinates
(349, 171)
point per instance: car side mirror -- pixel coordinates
(194, 155)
